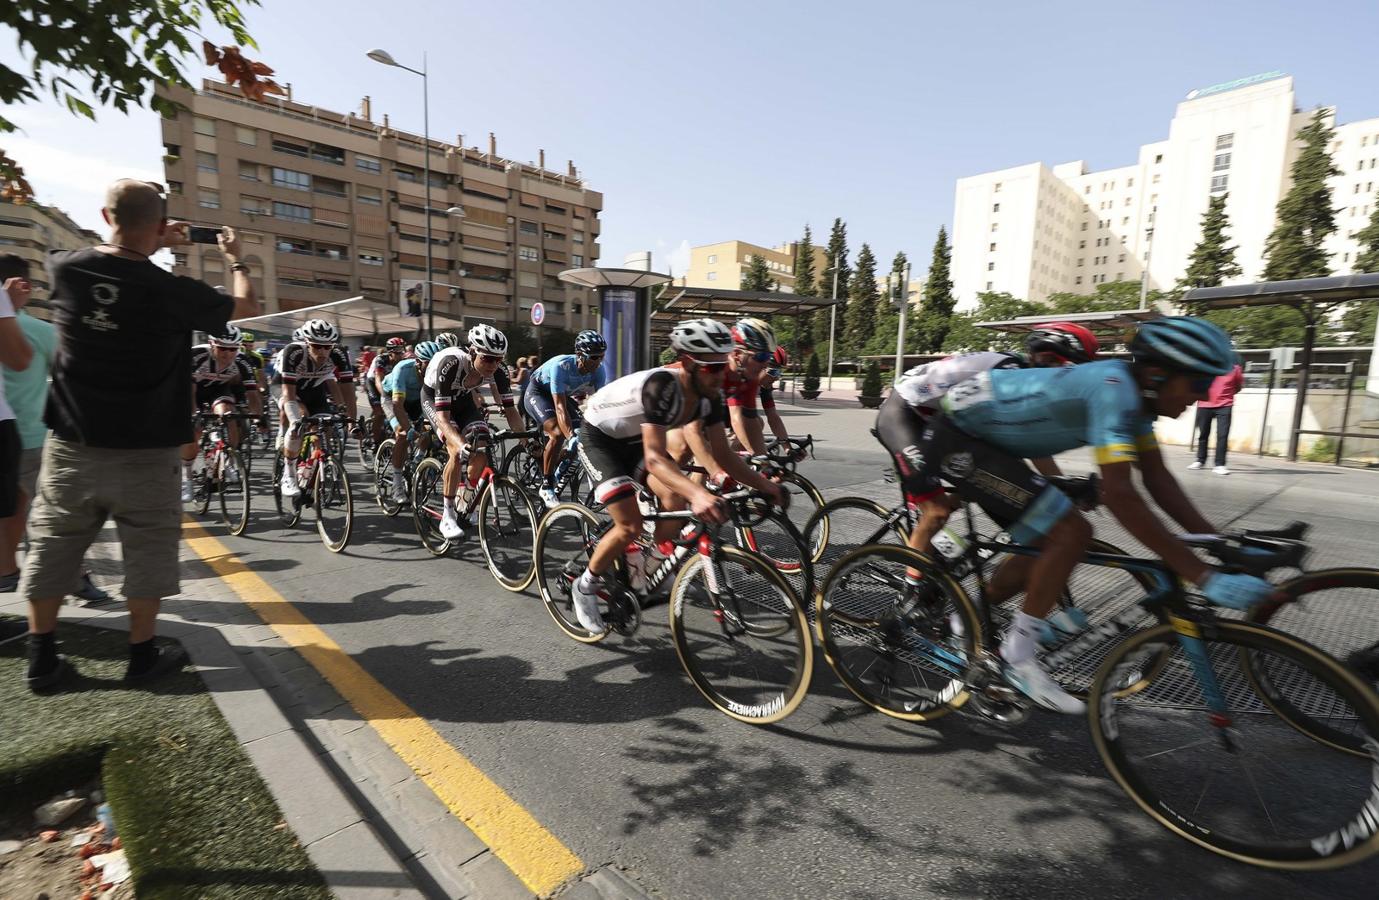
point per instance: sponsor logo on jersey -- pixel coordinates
(958, 465)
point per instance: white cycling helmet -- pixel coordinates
(487, 339)
(231, 337)
(701, 336)
(319, 331)
(297, 334)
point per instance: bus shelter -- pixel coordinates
(361, 317)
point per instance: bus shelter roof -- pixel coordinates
(687, 302)
(1114, 322)
(354, 317)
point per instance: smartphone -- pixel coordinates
(203, 234)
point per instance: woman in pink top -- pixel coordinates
(1217, 408)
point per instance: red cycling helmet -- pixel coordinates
(781, 356)
(396, 343)
(1075, 343)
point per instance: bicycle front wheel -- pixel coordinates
(1244, 783)
(842, 525)
(428, 505)
(565, 539)
(772, 536)
(334, 507)
(741, 635)
(507, 533)
(383, 479)
(202, 485)
(805, 502)
(234, 492)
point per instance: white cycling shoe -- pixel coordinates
(186, 491)
(587, 609)
(451, 529)
(548, 496)
(288, 483)
(399, 489)
(1030, 679)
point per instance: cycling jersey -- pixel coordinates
(254, 358)
(923, 386)
(1041, 412)
(743, 393)
(651, 397)
(205, 372)
(448, 378)
(296, 367)
(381, 365)
(403, 379)
(561, 375)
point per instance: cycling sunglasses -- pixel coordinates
(588, 358)
(709, 366)
(763, 356)
(320, 346)
(487, 357)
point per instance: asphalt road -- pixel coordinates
(612, 749)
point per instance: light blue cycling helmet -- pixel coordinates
(1184, 344)
(425, 350)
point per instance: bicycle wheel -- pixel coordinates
(1246, 785)
(523, 467)
(383, 478)
(289, 512)
(507, 533)
(564, 539)
(805, 503)
(428, 503)
(741, 635)
(367, 447)
(234, 492)
(771, 535)
(334, 507)
(202, 486)
(1340, 617)
(842, 525)
(901, 652)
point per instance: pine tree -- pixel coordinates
(1368, 258)
(887, 326)
(863, 298)
(1305, 217)
(835, 260)
(1213, 260)
(805, 286)
(936, 309)
(758, 276)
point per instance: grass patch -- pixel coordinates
(194, 816)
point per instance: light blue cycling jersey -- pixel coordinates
(403, 379)
(1033, 413)
(561, 375)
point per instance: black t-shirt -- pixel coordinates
(124, 349)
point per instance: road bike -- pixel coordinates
(420, 444)
(322, 479)
(219, 469)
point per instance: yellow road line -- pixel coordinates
(533, 854)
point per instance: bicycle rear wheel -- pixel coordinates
(1247, 785)
(901, 650)
(507, 533)
(842, 525)
(234, 492)
(741, 635)
(805, 503)
(428, 504)
(334, 507)
(564, 540)
(383, 479)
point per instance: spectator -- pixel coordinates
(26, 391)
(519, 379)
(119, 408)
(1217, 408)
(15, 354)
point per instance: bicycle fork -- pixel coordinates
(729, 617)
(1189, 634)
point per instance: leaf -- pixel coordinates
(14, 188)
(211, 53)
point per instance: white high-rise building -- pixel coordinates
(1033, 230)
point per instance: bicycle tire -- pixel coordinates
(383, 478)
(774, 537)
(576, 529)
(513, 510)
(1319, 847)
(805, 502)
(870, 626)
(1289, 615)
(332, 491)
(842, 516)
(790, 637)
(289, 513)
(426, 505)
(236, 495)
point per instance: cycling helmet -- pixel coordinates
(425, 350)
(1072, 342)
(701, 336)
(297, 334)
(590, 343)
(448, 339)
(782, 356)
(1184, 344)
(755, 335)
(395, 343)
(230, 337)
(487, 339)
(319, 331)
(247, 337)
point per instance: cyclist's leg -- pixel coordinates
(901, 431)
(539, 407)
(612, 465)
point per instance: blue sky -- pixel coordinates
(715, 120)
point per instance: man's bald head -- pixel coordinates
(134, 206)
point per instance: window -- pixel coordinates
(1080, 259)
(557, 236)
(988, 285)
(1223, 161)
(576, 260)
(203, 126)
(247, 136)
(1218, 183)
(997, 188)
(367, 164)
(578, 238)
(993, 226)
(526, 227)
(290, 148)
(1125, 220)
(370, 257)
(1077, 280)
(1129, 182)
(297, 181)
(712, 276)
(995, 207)
(248, 171)
(368, 195)
(208, 199)
(407, 173)
(528, 253)
(329, 186)
(992, 248)
(1120, 276)
(332, 251)
(290, 245)
(332, 283)
(991, 267)
(174, 187)
(1082, 245)
(291, 212)
(1127, 201)
(1084, 226)
(254, 206)
(327, 153)
(1225, 141)
(206, 162)
(1122, 258)
(1087, 189)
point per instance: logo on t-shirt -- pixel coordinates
(99, 320)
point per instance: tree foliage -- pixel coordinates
(1305, 216)
(835, 261)
(1367, 260)
(936, 307)
(758, 275)
(804, 265)
(863, 297)
(992, 306)
(1212, 261)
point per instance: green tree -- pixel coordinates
(936, 307)
(992, 306)
(1367, 260)
(863, 297)
(758, 276)
(1110, 297)
(835, 262)
(1305, 216)
(887, 325)
(812, 372)
(805, 286)
(1213, 259)
(872, 385)
(1358, 320)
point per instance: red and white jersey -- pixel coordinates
(924, 386)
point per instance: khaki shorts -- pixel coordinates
(79, 489)
(30, 461)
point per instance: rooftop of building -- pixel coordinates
(63, 217)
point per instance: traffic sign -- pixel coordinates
(538, 313)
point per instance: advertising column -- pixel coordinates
(621, 321)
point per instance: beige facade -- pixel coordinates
(31, 230)
(724, 265)
(333, 205)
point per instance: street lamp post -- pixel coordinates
(1148, 252)
(832, 321)
(904, 294)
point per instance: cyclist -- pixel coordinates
(222, 380)
(260, 367)
(447, 339)
(402, 404)
(623, 442)
(991, 421)
(311, 381)
(378, 368)
(552, 400)
(449, 402)
(745, 383)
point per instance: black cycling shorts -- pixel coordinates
(539, 404)
(463, 410)
(209, 393)
(900, 428)
(316, 399)
(615, 465)
(1016, 497)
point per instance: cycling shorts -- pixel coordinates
(411, 407)
(210, 393)
(463, 410)
(900, 428)
(615, 465)
(1017, 498)
(539, 404)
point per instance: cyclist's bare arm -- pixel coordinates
(1169, 495)
(747, 429)
(509, 410)
(400, 411)
(711, 442)
(562, 417)
(1118, 494)
(777, 426)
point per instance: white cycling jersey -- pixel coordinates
(652, 396)
(923, 386)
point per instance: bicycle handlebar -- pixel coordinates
(1247, 551)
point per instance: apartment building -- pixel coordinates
(724, 265)
(1034, 230)
(31, 230)
(333, 205)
